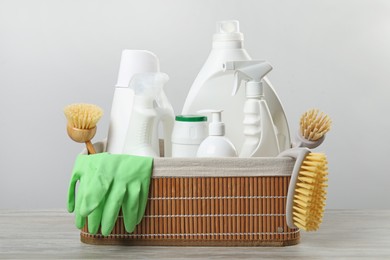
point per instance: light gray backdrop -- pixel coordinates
(334, 55)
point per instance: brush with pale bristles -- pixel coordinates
(313, 127)
(307, 189)
(82, 120)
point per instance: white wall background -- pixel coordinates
(334, 55)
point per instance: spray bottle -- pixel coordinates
(216, 144)
(150, 106)
(132, 62)
(212, 81)
(260, 133)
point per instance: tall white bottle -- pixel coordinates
(132, 62)
(212, 81)
(260, 135)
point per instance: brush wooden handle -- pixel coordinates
(90, 147)
(82, 136)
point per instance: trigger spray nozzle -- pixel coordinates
(251, 72)
(149, 84)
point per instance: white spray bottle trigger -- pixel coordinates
(249, 71)
(149, 84)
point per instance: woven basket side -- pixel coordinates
(210, 210)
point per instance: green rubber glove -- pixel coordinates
(113, 182)
(129, 190)
(85, 168)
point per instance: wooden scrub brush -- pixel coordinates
(82, 119)
(313, 127)
(307, 189)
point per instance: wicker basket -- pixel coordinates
(212, 202)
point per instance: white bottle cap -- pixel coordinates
(228, 31)
(216, 126)
(133, 62)
(254, 89)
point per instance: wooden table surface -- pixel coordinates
(51, 234)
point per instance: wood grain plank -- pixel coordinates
(49, 234)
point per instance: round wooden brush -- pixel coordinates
(82, 120)
(313, 127)
(307, 189)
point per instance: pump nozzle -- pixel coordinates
(216, 126)
(250, 71)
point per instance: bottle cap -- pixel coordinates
(254, 89)
(191, 118)
(133, 62)
(228, 31)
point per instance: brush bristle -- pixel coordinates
(83, 116)
(310, 192)
(314, 125)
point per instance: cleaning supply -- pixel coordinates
(188, 132)
(132, 62)
(165, 122)
(260, 132)
(313, 127)
(86, 168)
(107, 183)
(211, 87)
(82, 120)
(216, 144)
(149, 108)
(307, 189)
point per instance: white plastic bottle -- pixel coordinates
(145, 115)
(260, 135)
(216, 144)
(165, 118)
(132, 62)
(212, 81)
(188, 133)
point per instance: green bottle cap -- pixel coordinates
(191, 118)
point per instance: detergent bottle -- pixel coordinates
(212, 87)
(150, 106)
(260, 132)
(132, 62)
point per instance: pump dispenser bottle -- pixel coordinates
(212, 81)
(216, 144)
(260, 135)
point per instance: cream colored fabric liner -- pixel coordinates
(222, 167)
(215, 167)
